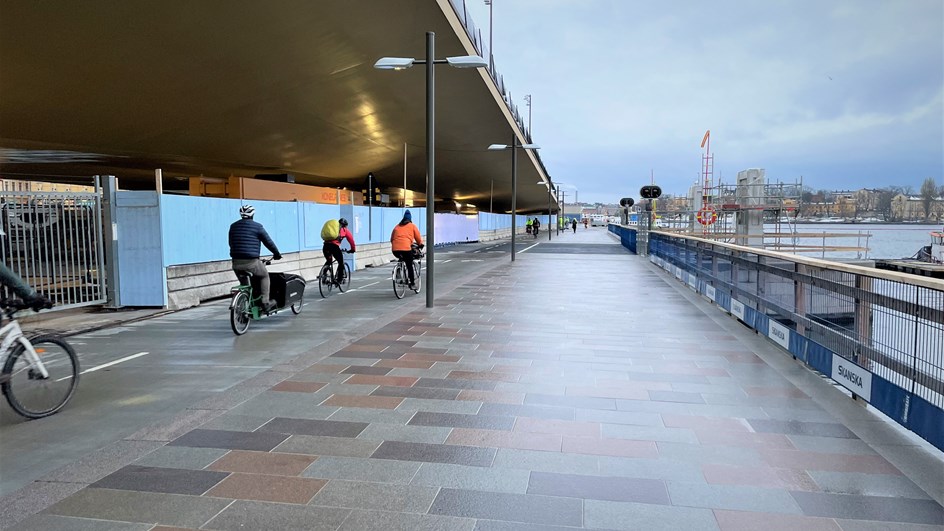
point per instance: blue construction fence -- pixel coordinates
(627, 236)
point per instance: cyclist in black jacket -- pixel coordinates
(245, 236)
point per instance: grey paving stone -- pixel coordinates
(636, 516)
(262, 516)
(696, 453)
(732, 497)
(50, 522)
(676, 396)
(394, 432)
(649, 433)
(545, 461)
(147, 507)
(806, 414)
(864, 525)
(360, 369)
(360, 469)
(440, 406)
(599, 487)
(182, 457)
(325, 428)
(452, 383)
(292, 405)
(344, 389)
(867, 484)
(390, 521)
(158, 479)
(831, 445)
(435, 453)
(336, 446)
(663, 469)
(229, 421)
(417, 392)
(371, 415)
(377, 496)
(497, 525)
(233, 440)
(435, 372)
(648, 406)
(456, 420)
(619, 417)
(35, 497)
(540, 412)
(818, 429)
(584, 402)
(512, 507)
(472, 478)
(175, 426)
(712, 410)
(880, 508)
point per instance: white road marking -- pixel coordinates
(473, 260)
(364, 286)
(526, 248)
(109, 364)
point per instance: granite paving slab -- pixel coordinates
(599, 488)
(435, 453)
(233, 440)
(50, 522)
(158, 479)
(336, 446)
(325, 428)
(133, 506)
(181, 457)
(513, 507)
(262, 516)
(361, 520)
(634, 516)
(879, 508)
(281, 489)
(376, 496)
(360, 469)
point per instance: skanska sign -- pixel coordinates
(852, 377)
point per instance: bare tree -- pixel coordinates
(884, 206)
(928, 195)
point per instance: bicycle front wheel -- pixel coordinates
(399, 280)
(346, 283)
(325, 280)
(28, 392)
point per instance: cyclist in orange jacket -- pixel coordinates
(401, 240)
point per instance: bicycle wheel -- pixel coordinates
(297, 307)
(325, 280)
(28, 393)
(343, 286)
(240, 313)
(417, 275)
(399, 280)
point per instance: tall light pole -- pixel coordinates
(550, 187)
(514, 180)
(527, 100)
(491, 56)
(400, 63)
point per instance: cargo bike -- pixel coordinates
(286, 289)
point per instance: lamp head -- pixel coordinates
(530, 146)
(467, 61)
(394, 63)
(497, 147)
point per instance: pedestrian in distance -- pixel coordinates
(574, 225)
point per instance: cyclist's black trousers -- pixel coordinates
(407, 256)
(331, 250)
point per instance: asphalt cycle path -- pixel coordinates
(139, 373)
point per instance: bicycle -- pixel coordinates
(41, 373)
(401, 277)
(245, 307)
(326, 280)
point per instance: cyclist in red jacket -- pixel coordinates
(332, 249)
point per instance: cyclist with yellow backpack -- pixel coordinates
(333, 233)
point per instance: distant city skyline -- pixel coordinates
(845, 93)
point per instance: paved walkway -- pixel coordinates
(579, 387)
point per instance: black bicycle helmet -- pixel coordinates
(342, 222)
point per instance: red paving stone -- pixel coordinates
(326, 368)
(260, 487)
(289, 386)
(758, 476)
(404, 364)
(263, 463)
(483, 375)
(611, 447)
(376, 402)
(369, 379)
(744, 521)
(558, 427)
(505, 439)
(496, 397)
(869, 464)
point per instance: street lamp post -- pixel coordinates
(400, 63)
(527, 99)
(491, 56)
(550, 186)
(514, 180)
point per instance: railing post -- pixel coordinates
(863, 319)
(110, 225)
(799, 298)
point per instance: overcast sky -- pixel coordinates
(845, 93)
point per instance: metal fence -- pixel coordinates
(878, 333)
(53, 240)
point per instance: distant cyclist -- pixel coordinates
(245, 237)
(535, 227)
(332, 248)
(401, 241)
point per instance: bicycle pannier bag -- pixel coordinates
(330, 230)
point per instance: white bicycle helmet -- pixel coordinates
(247, 211)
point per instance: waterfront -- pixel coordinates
(887, 240)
